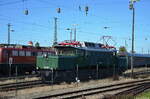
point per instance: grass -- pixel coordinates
(144, 95)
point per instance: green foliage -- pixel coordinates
(121, 97)
(37, 44)
(145, 95)
(122, 49)
(134, 0)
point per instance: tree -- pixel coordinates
(37, 44)
(122, 49)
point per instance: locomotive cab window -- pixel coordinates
(66, 51)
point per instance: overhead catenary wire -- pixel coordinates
(23, 22)
(25, 9)
(72, 10)
(10, 3)
(46, 2)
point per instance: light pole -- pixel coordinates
(70, 33)
(131, 7)
(75, 31)
(8, 43)
(9, 30)
(55, 31)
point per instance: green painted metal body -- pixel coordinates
(78, 57)
(123, 63)
(56, 62)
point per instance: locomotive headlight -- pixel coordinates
(114, 53)
(37, 67)
(45, 56)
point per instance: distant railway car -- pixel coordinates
(84, 59)
(22, 57)
(139, 60)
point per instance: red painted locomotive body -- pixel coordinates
(24, 57)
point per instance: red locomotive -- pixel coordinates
(22, 57)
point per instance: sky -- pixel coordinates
(38, 25)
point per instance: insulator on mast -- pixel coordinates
(58, 10)
(130, 6)
(86, 10)
(79, 8)
(26, 12)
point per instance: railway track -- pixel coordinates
(20, 85)
(137, 73)
(134, 91)
(18, 77)
(98, 90)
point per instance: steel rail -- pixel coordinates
(134, 91)
(96, 90)
(20, 85)
(18, 77)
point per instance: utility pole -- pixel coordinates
(8, 35)
(8, 41)
(126, 44)
(75, 34)
(132, 58)
(131, 7)
(70, 33)
(55, 31)
(75, 31)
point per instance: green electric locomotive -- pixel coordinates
(78, 61)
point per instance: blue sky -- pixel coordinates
(39, 24)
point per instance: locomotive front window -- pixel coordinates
(69, 52)
(14, 53)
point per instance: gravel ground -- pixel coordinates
(42, 91)
(63, 87)
(19, 80)
(138, 70)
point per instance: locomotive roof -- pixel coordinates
(135, 54)
(24, 47)
(86, 48)
(138, 55)
(83, 44)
